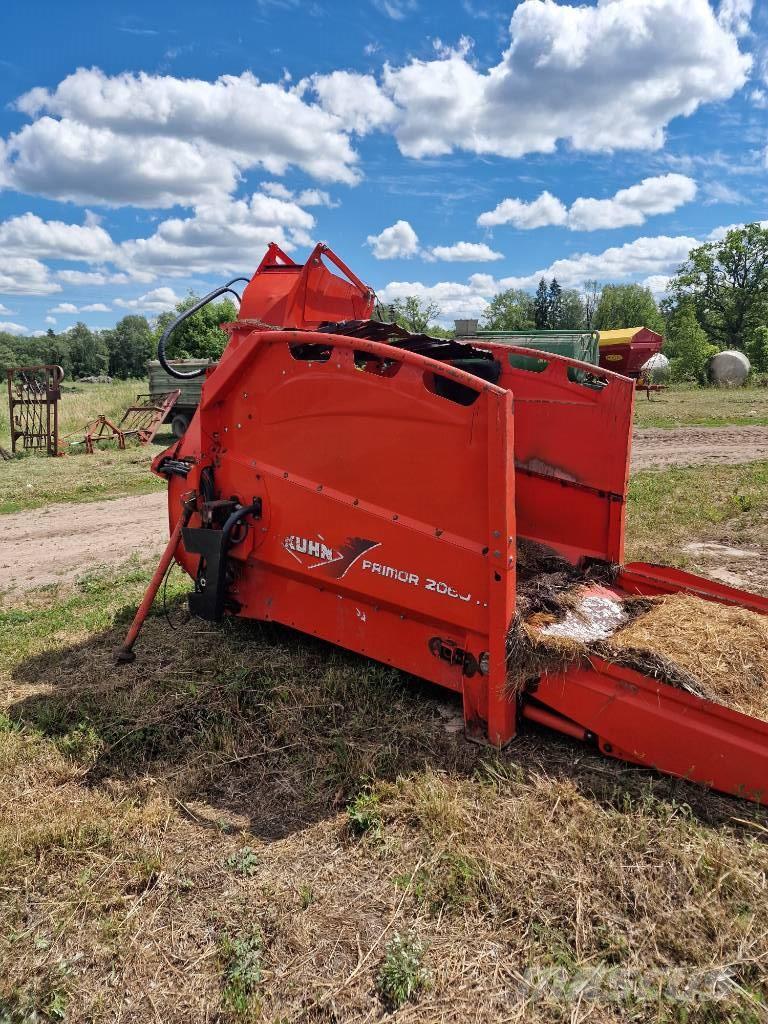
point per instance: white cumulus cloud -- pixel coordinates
(464, 252)
(23, 275)
(657, 283)
(356, 99)
(156, 301)
(399, 241)
(307, 197)
(67, 160)
(541, 212)
(644, 256)
(155, 140)
(718, 234)
(98, 277)
(454, 299)
(627, 207)
(603, 77)
(734, 15)
(631, 206)
(220, 236)
(30, 235)
(9, 327)
(70, 308)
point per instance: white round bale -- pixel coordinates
(729, 369)
(656, 369)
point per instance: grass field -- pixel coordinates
(36, 480)
(706, 407)
(249, 825)
(666, 509)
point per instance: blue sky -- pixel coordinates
(448, 150)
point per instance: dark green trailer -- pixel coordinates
(161, 382)
(581, 345)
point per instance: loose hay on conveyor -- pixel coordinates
(723, 647)
(711, 650)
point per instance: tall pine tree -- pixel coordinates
(555, 305)
(541, 306)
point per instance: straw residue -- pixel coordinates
(714, 651)
(723, 647)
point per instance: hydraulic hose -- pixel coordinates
(179, 374)
(236, 517)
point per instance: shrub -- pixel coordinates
(364, 815)
(402, 974)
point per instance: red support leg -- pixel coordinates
(125, 653)
(501, 566)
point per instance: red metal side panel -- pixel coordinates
(649, 723)
(646, 578)
(572, 446)
(388, 510)
(615, 358)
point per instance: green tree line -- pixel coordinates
(121, 351)
(717, 299)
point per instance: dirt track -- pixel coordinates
(56, 544)
(657, 448)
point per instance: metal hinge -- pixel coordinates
(449, 650)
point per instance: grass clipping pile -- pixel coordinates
(714, 651)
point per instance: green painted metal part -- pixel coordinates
(581, 345)
(161, 382)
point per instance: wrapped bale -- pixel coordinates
(729, 369)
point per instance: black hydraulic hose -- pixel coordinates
(179, 374)
(234, 519)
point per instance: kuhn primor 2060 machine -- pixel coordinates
(371, 487)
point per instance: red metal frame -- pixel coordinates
(33, 406)
(342, 452)
(288, 294)
(391, 490)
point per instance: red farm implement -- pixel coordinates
(371, 489)
(140, 421)
(33, 404)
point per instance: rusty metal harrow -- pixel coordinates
(140, 421)
(33, 397)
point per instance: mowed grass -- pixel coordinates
(248, 824)
(36, 481)
(705, 407)
(33, 480)
(666, 509)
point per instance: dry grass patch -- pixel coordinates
(251, 825)
(725, 649)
